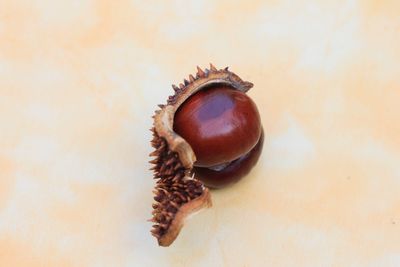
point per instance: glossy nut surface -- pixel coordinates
(233, 172)
(220, 123)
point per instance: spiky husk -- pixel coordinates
(177, 194)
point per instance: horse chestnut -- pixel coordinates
(209, 133)
(222, 125)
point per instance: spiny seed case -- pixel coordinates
(177, 193)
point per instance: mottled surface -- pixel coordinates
(79, 81)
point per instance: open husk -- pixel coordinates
(177, 193)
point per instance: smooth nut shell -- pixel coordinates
(219, 123)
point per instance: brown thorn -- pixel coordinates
(163, 168)
(191, 78)
(177, 166)
(186, 82)
(200, 72)
(163, 225)
(169, 172)
(170, 161)
(212, 67)
(154, 153)
(176, 89)
(155, 233)
(173, 204)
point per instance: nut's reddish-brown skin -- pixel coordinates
(233, 172)
(221, 124)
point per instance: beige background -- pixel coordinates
(79, 81)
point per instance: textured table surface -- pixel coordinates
(79, 81)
